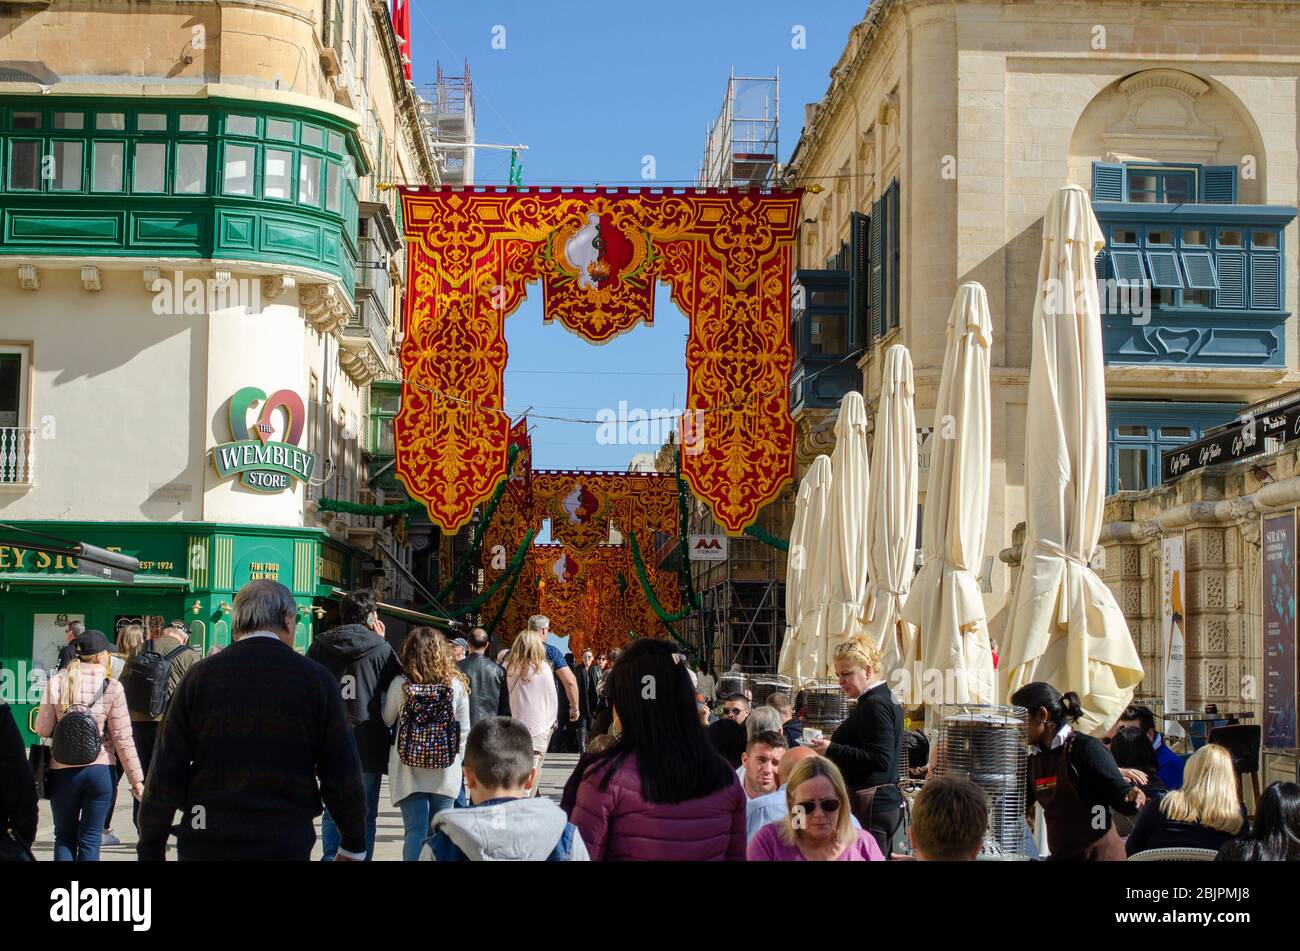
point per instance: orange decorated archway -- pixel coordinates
(725, 253)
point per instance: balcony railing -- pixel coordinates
(17, 452)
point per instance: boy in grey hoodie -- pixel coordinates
(502, 825)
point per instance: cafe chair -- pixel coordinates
(1243, 741)
(1174, 855)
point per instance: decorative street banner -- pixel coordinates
(262, 463)
(1173, 627)
(1279, 632)
(725, 253)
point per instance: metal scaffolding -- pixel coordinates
(742, 600)
(447, 111)
(741, 148)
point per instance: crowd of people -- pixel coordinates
(236, 755)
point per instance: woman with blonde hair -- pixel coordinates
(868, 746)
(130, 641)
(80, 784)
(818, 826)
(1205, 813)
(429, 702)
(534, 701)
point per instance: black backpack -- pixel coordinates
(147, 680)
(77, 738)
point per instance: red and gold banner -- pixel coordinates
(581, 504)
(727, 256)
(587, 587)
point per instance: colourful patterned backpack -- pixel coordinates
(428, 734)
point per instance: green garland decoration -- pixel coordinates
(512, 568)
(684, 579)
(780, 544)
(648, 590)
(510, 591)
(356, 508)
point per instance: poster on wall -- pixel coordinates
(49, 634)
(1173, 628)
(1279, 632)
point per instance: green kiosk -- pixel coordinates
(188, 571)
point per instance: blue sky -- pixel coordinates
(591, 88)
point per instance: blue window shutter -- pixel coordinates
(894, 261)
(1265, 278)
(1219, 184)
(1231, 266)
(1163, 266)
(877, 270)
(1127, 267)
(1107, 181)
(1199, 268)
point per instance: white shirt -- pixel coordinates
(1058, 741)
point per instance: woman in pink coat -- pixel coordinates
(81, 795)
(660, 792)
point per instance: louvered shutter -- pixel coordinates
(1107, 181)
(1219, 184)
(877, 272)
(1231, 266)
(859, 280)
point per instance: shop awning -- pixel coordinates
(22, 579)
(406, 614)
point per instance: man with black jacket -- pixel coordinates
(364, 664)
(488, 694)
(588, 677)
(19, 809)
(249, 732)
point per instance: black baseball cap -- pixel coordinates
(90, 643)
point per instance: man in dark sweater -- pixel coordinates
(248, 734)
(363, 665)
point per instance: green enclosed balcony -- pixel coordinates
(207, 179)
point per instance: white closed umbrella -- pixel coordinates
(805, 576)
(846, 568)
(952, 647)
(891, 513)
(1065, 627)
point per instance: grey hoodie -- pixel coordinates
(520, 830)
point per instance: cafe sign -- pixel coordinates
(261, 462)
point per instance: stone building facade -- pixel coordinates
(945, 129)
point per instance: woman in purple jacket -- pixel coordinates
(660, 792)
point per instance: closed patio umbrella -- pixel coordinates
(1064, 626)
(945, 602)
(846, 567)
(805, 576)
(891, 513)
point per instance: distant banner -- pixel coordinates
(1279, 632)
(1173, 627)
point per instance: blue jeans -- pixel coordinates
(79, 798)
(329, 832)
(418, 810)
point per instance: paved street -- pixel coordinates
(388, 836)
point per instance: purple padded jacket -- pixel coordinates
(617, 824)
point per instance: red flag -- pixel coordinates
(402, 27)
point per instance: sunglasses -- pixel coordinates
(733, 711)
(829, 806)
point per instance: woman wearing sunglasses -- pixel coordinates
(818, 826)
